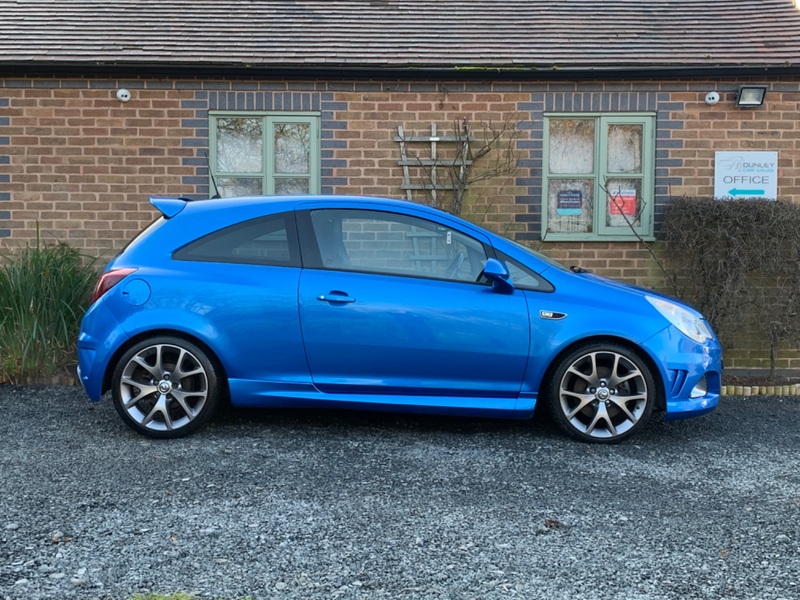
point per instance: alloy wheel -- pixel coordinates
(163, 387)
(603, 394)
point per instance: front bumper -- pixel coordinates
(684, 365)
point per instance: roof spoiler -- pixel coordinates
(169, 207)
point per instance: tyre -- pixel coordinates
(602, 393)
(165, 387)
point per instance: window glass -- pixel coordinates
(571, 146)
(231, 187)
(239, 145)
(378, 242)
(624, 202)
(292, 148)
(523, 278)
(266, 241)
(570, 205)
(625, 148)
(253, 154)
(291, 186)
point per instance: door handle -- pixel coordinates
(335, 297)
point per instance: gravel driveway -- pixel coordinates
(269, 504)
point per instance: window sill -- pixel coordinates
(577, 237)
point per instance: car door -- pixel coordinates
(241, 283)
(392, 306)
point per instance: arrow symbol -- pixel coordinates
(735, 192)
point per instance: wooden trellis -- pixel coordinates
(431, 164)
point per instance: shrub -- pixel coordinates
(738, 262)
(44, 291)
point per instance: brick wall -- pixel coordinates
(80, 164)
(707, 129)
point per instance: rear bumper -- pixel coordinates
(99, 338)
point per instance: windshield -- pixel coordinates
(538, 255)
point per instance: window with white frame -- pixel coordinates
(598, 176)
(255, 153)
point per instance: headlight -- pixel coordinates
(687, 322)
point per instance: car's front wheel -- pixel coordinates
(165, 387)
(601, 392)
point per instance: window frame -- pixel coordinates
(269, 120)
(600, 230)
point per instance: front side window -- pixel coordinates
(393, 244)
(598, 176)
(524, 278)
(253, 154)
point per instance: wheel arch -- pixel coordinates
(212, 356)
(661, 401)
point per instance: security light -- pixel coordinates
(751, 95)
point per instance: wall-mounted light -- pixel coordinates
(751, 95)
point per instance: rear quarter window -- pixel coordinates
(264, 241)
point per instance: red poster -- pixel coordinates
(622, 202)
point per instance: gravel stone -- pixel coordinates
(320, 504)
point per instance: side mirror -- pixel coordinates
(496, 272)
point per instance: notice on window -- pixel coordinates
(569, 203)
(622, 202)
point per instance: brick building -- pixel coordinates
(103, 105)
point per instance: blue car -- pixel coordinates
(371, 303)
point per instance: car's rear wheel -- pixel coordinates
(601, 392)
(165, 387)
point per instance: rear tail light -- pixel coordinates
(108, 280)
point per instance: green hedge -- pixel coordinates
(44, 291)
(738, 262)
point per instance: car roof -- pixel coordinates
(333, 199)
(172, 206)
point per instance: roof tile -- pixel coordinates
(403, 34)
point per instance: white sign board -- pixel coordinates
(746, 175)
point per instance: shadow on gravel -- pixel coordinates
(66, 409)
(252, 420)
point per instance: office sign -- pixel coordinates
(746, 175)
